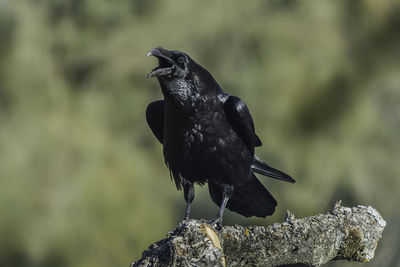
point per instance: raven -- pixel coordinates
(208, 136)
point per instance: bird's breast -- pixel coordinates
(204, 148)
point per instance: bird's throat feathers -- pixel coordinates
(190, 92)
(181, 91)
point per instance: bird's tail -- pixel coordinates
(263, 168)
(252, 199)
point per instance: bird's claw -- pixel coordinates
(216, 223)
(170, 233)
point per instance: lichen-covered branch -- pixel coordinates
(342, 233)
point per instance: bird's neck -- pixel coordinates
(186, 96)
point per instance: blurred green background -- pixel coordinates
(83, 181)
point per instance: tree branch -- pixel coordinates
(342, 233)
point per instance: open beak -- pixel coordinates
(166, 65)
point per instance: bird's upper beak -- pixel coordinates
(166, 65)
(158, 51)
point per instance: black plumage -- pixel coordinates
(208, 136)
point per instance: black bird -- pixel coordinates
(208, 136)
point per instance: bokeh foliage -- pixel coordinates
(82, 178)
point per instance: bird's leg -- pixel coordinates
(188, 191)
(227, 192)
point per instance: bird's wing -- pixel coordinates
(239, 117)
(155, 118)
(263, 168)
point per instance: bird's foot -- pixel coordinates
(170, 233)
(186, 215)
(216, 223)
(187, 212)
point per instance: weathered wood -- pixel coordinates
(342, 233)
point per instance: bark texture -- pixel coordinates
(342, 233)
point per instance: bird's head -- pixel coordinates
(181, 78)
(172, 64)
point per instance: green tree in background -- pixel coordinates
(82, 178)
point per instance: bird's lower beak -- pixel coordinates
(159, 72)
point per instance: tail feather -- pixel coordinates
(252, 199)
(263, 168)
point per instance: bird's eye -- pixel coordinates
(181, 59)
